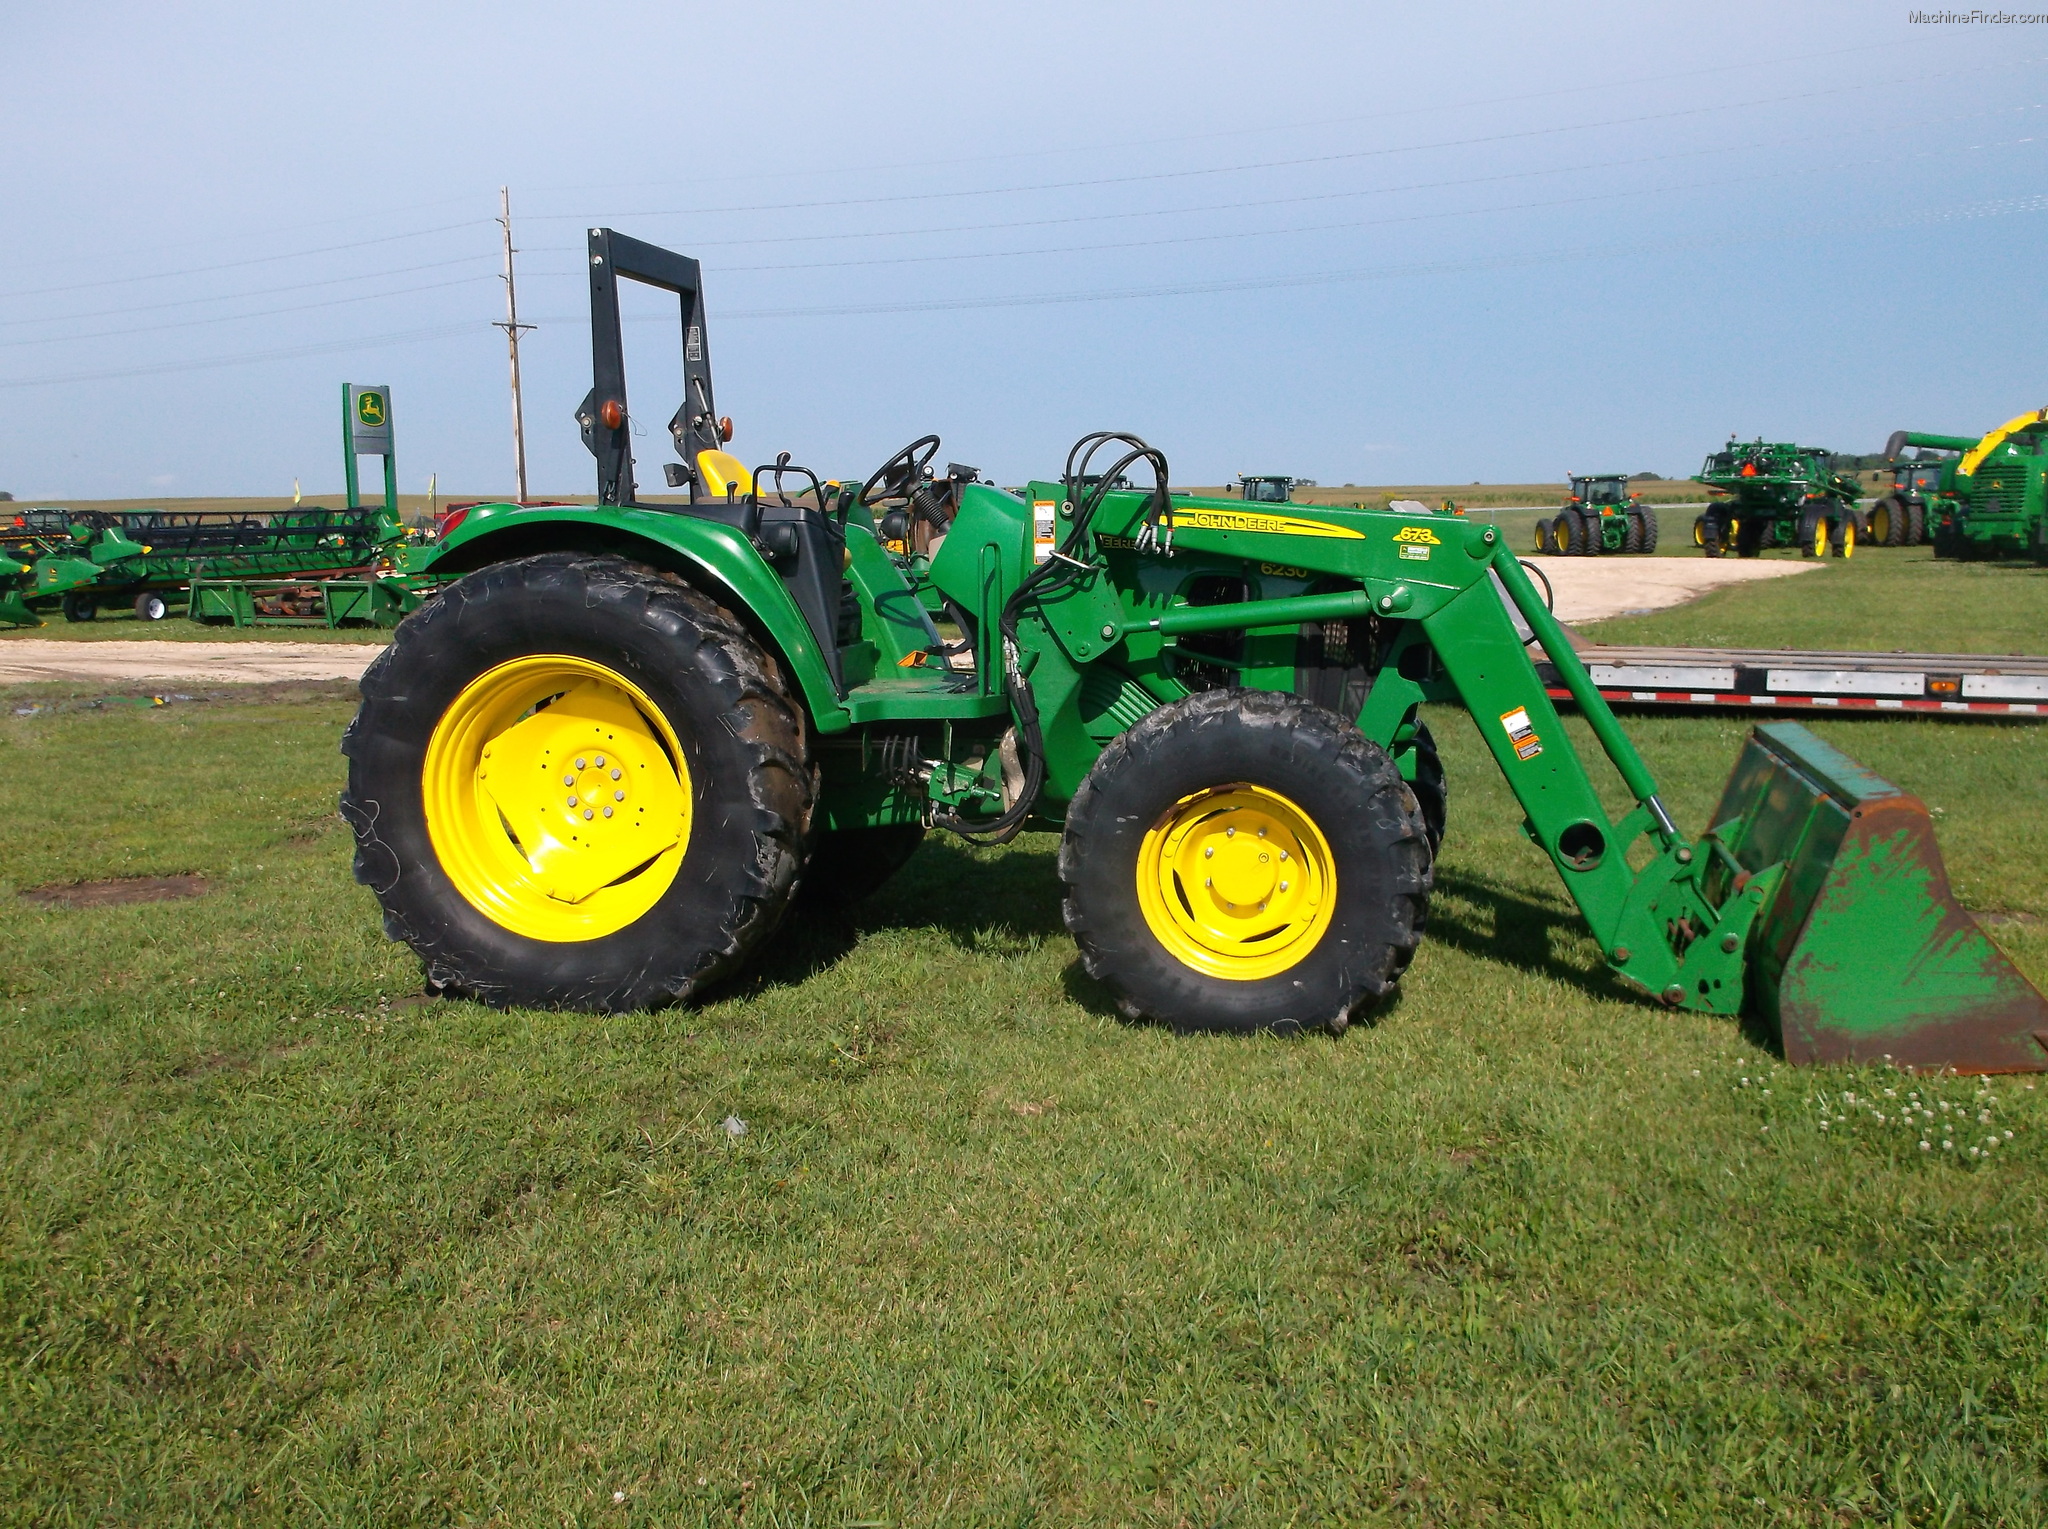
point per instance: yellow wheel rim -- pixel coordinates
(1820, 538)
(557, 798)
(1881, 523)
(1848, 538)
(1237, 882)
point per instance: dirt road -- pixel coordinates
(1588, 589)
(1594, 588)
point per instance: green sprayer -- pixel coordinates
(596, 770)
(1775, 494)
(1991, 498)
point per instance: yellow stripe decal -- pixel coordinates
(1250, 520)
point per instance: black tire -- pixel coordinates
(1586, 534)
(1699, 530)
(79, 606)
(723, 697)
(1889, 522)
(1341, 781)
(1916, 526)
(1646, 536)
(1749, 536)
(1543, 524)
(1632, 534)
(847, 865)
(1814, 532)
(1713, 534)
(150, 605)
(1432, 792)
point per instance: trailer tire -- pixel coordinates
(79, 606)
(848, 865)
(150, 605)
(637, 666)
(1292, 774)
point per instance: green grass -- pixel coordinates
(1884, 598)
(122, 626)
(282, 1244)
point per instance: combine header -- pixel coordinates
(595, 770)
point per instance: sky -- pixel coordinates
(1358, 243)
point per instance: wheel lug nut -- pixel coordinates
(1208, 881)
(587, 814)
(568, 780)
(600, 761)
(617, 796)
(572, 801)
(1209, 852)
(1230, 833)
(616, 773)
(1283, 886)
(1283, 854)
(607, 812)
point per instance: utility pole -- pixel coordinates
(513, 328)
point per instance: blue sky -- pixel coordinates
(1359, 243)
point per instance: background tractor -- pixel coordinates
(1992, 500)
(596, 770)
(1267, 489)
(1600, 514)
(1904, 516)
(1775, 494)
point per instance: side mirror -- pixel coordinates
(677, 473)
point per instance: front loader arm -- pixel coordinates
(1656, 926)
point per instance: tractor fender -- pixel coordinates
(711, 555)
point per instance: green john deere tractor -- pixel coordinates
(1774, 494)
(599, 767)
(1992, 500)
(1907, 514)
(1600, 514)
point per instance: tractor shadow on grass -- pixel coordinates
(1524, 932)
(981, 900)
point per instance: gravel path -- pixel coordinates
(1588, 589)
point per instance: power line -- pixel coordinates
(234, 265)
(246, 292)
(236, 318)
(1350, 156)
(211, 363)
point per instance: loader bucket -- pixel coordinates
(1861, 952)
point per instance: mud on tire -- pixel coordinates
(720, 693)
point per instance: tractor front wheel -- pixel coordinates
(1244, 860)
(1543, 533)
(576, 784)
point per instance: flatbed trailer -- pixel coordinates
(1783, 679)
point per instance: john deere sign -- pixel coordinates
(369, 420)
(366, 432)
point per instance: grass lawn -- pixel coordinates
(283, 1243)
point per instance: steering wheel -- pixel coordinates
(897, 477)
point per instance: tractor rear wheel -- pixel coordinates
(1543, 533)
(576, 784)
(1844, 529)
(1646, 530)
(1888, 523)
(1916, 526)
(850, 864)
(1244, 860)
